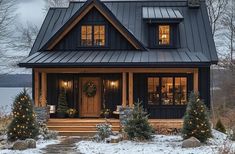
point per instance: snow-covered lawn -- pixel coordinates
(40, 145)
(161, 144)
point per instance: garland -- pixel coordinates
(90, 89)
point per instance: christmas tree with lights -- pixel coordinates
(23, 124)
(196, 120)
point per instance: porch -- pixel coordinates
(84, 127)
(117, 87)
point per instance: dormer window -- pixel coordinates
(164, 35)
(92, 35)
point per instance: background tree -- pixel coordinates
(24, 124)
(220, 127)
(196, 120)
(137, 126)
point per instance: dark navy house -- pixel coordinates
(107, 54)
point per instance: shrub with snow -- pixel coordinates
(104, 130)
(45, 133)
(137, 126)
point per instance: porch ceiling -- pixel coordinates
(152, 58)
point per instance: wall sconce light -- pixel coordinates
(113, 84)
(65, 84)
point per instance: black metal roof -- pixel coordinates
(161, 13)
(115, 58)
(15, 80)
(195, 31)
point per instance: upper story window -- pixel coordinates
(164, 34)
(92, 35)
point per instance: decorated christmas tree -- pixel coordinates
(196, 120)
(220, 127)
(62, 104)
(137, 126)
(24, 124)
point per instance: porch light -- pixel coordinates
(65, 84)
(114, 84)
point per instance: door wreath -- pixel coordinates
(90, 89)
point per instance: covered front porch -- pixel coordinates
(158, 89)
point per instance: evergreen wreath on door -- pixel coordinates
(90, 89)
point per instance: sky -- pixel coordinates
(30, 11)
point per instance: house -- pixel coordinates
(111, 53)
(10, 86)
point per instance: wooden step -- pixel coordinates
(50, 123)
(77, 128)
(78, 133)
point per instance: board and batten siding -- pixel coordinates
(114, 40)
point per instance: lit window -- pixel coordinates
(180, 94)
(99, 35)
(153, 91)
(164, 35)
(93, 35)
(167, 91)
(86, 36)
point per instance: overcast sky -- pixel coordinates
(30, 11)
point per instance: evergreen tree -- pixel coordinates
(220, 127)
(196, 120)
(62, 103)
(137, 126)
(23, 124)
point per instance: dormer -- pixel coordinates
(162, 23)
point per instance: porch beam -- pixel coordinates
(36, 89)
(44, 89)
(115, 70)
(131, 103)
(124, 89)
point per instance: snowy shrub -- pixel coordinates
(137, 126)
(45, 133)
(104, 130)
(226, 148)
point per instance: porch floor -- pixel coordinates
(84, 127)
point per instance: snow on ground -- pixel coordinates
(40, 145)
(161, 144)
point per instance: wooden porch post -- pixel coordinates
(130, 89)
(195, 78)
(44, 89)
(36, 88)
(124, 89)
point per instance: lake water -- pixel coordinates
(7, 96)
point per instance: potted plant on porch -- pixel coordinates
(105, 113)
(71, 112)
(62, 105)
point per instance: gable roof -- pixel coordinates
(195, 32)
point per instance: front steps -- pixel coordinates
(87, 127)
(79, 127)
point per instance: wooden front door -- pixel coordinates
(90, 106)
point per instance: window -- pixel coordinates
(164, 35)
(180, 94)
(92, 35)
(167, 90)
(153, 91)
(99, 35)
(86, 36)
